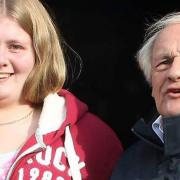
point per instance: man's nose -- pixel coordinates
(174, 70)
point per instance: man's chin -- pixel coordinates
(170, 113)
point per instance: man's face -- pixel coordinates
(166, 71)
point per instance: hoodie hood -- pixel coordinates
(60, 110)
(76, 109)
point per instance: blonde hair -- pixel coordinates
(49, 71)
(144, 54)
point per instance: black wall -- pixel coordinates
(107, 34)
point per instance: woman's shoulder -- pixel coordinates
(97, 130)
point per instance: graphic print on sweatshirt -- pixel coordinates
(51, 164)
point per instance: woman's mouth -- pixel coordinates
(4, 75)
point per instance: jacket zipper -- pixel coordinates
(26, 152)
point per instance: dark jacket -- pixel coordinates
(149, 158)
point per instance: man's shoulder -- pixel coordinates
(136, 161)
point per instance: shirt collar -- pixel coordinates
(157, 127)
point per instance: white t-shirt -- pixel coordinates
(6, 160)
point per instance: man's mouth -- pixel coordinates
(174, 91)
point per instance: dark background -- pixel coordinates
(106, 34)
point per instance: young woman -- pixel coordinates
(45, 132)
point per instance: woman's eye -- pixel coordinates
(15, 46)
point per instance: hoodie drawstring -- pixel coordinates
(71, 156)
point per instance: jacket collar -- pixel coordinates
(145, 132)
(171, 129)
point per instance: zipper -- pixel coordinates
(40, 145)
(28, 151)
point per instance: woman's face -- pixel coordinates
(17, 59)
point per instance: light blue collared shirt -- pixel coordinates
(157, 127)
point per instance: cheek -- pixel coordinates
(159, 84)
(154, 92)
(157, 80)
(25, 64)
(154, 86)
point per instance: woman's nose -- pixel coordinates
(3, 57)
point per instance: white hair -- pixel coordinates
(145, 52)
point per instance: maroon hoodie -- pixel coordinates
(70, 143)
